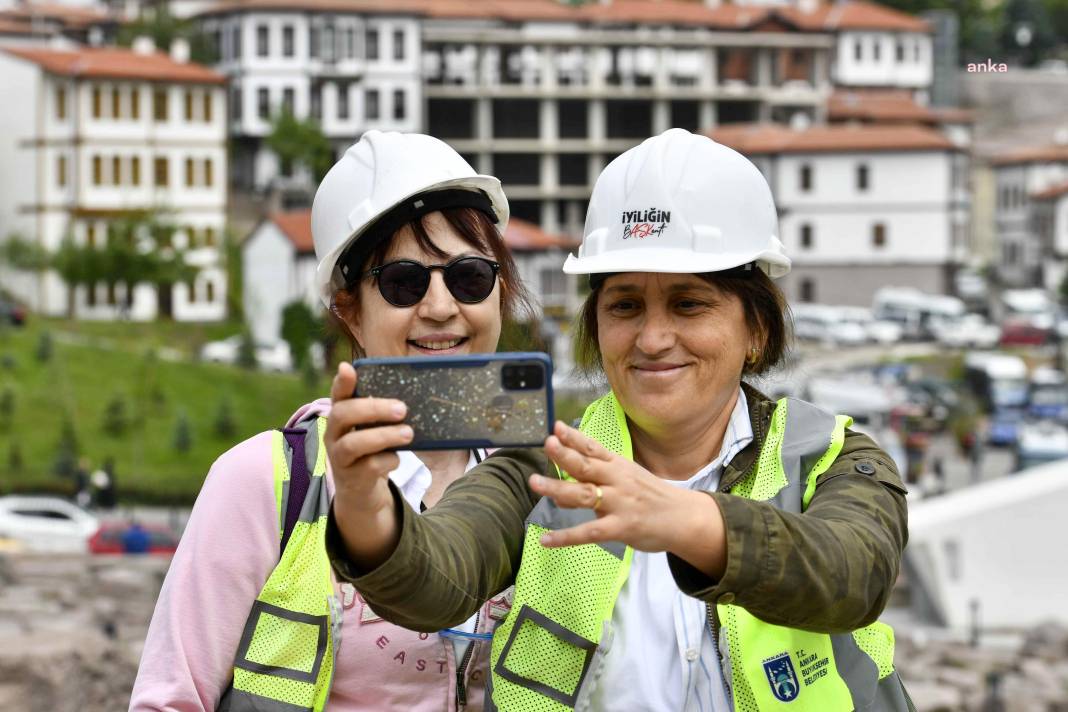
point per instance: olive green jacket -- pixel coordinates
(829, 570)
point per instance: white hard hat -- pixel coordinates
(682, 203)
(384, 181)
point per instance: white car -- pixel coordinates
(877, 331)
(823, 323)
(224, 351)
(269, 357)
(50, 524)
(968, 331)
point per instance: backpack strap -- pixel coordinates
(299, 479)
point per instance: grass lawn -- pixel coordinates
(93, 363)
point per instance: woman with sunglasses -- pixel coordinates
(708, 548)
(411, 262)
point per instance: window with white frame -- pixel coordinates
(371, 107)
(288, 41)
(263, 41)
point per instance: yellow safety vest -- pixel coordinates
(285, 660)
(547, 654)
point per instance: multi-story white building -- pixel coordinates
(1017, 176)
(1049, 220)
(862, 206)
(349, 68)
(544, 93)
(876, 46)
(95, 134)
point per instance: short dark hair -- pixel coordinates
(478, 231)
(766, 313)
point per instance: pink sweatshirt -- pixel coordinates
(229, 548)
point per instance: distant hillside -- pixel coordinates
(94, 364)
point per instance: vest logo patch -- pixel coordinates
(782, 678)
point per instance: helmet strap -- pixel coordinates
(412, 208)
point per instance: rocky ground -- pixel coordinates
(71, 631)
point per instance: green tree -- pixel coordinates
(1058, 15)
(78, 266)
(183, 434)
(300, 142)
(246, 352)
(21, 254)
(44, 347)
(300, 328)
(224, 425)
(980, 23)
(1026, 31)
(235, 277)
(7, 406)
(14, 459)
(115, 420)
(163, 28)
(66, 459)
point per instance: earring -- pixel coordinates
(753, 356)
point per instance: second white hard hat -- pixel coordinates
(682, 203)
(382, 182)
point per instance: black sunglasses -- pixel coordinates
(404, 283)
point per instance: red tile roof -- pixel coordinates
(953, 115)
(65, 14)
(9, 26)
(853, 14)
(754, 139)
(878, 105)
(116, 63)
(1036, 154)
(295, 225)
(1054, 191)
(524, 236)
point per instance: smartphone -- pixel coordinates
(470, 401)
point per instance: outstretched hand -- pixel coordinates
(359, 432)
(632, 505)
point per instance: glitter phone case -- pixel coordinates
(459, 402)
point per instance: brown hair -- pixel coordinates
(475, 228)
(766, 313)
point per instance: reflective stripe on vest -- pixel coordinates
(545, 656)
(285, 660)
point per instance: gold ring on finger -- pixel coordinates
(600, 496)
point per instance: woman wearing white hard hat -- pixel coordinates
(707, 548)
(411, 262)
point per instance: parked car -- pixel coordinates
(12, 313)
(269, 357)
(1019, 331)
(1039, 443)
(109, 538)
(915, 311)
(968, 331)
(1048, 397)
(41, 523)
(823, 323)
(877, 331)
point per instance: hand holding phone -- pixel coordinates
(455, 403)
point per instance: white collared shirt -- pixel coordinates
(662, 656)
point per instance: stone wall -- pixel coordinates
(72, 629)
